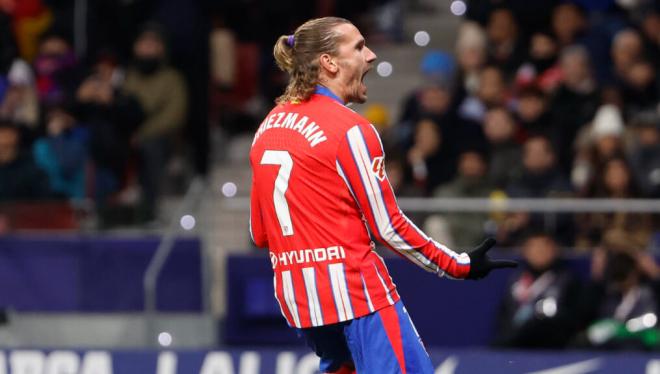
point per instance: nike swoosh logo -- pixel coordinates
(581, 367)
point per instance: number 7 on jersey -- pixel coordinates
(283, 159)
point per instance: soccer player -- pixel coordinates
(319, 189)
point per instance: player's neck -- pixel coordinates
(335, 89)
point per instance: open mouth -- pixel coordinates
(365, 74)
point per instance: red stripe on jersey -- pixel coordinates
(326, 298)
(390, 320)
(356, 291)
(279, 295)
(301, 296)
(385, 275)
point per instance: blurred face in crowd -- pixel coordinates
(567, 22)
(427, 137)
(626, 48)
(648, 136)
(542, 46)
(491, 86)
(640, 75)
(8, 145)
(351, 64)
(498, 126)
(54, 54)
(501, 26)
(538, 156)
(617, 177)
(434, 100)
(575, 67)
(54, 46)
(540, 252)
(471, 165)
(608, 146)
(58, 122)
(149, 46)
(531, 107)
(651, 26)
(471, 57)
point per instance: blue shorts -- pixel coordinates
(385, 341)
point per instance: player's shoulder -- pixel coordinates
(342, 116)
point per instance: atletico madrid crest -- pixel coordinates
(378, 167)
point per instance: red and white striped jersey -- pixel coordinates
(319, 187)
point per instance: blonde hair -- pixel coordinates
(298, 54)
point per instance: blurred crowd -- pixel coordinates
(106, 105)
(101, 124)
(550, 304)
(539, 99)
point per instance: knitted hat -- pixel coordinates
(607, 122)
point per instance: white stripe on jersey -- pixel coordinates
(277, 298)
(462, 259)
(250, 225)
(290, 297)
(362, 158)
(340, 291)
(366, 295)
(312, 296)
(340, 171)
(387, 292)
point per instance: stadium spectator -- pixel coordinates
(633, 75)
(640, 88)
(614, 181)
(18, 101)
(533, 114)
(56, 68)
(651, 35)
(627, 49)
(434, 97)
(540, 67)
(539, 177)
(491, 91)
(111, 116)
(575, 102)
(595, 145)
(645, 153)
(504, 151)
(21, 178)
(471, 181)
(471, 56)
(538, 310)
(618, 297)
(63, 153)
(568, 23)
(430, 158)
(506, 47)
(161, 91)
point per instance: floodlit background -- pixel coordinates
(125, 127)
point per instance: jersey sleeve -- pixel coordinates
(257, 230)
(360, 162)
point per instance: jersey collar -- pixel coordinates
(325, 91)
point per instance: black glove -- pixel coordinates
(481, 264)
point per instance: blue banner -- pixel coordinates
(297, 361)
(95, 274)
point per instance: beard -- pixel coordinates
(358, 90)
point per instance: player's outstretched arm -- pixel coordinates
(481, 264)
(360, 162)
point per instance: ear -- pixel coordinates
(328, 63)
